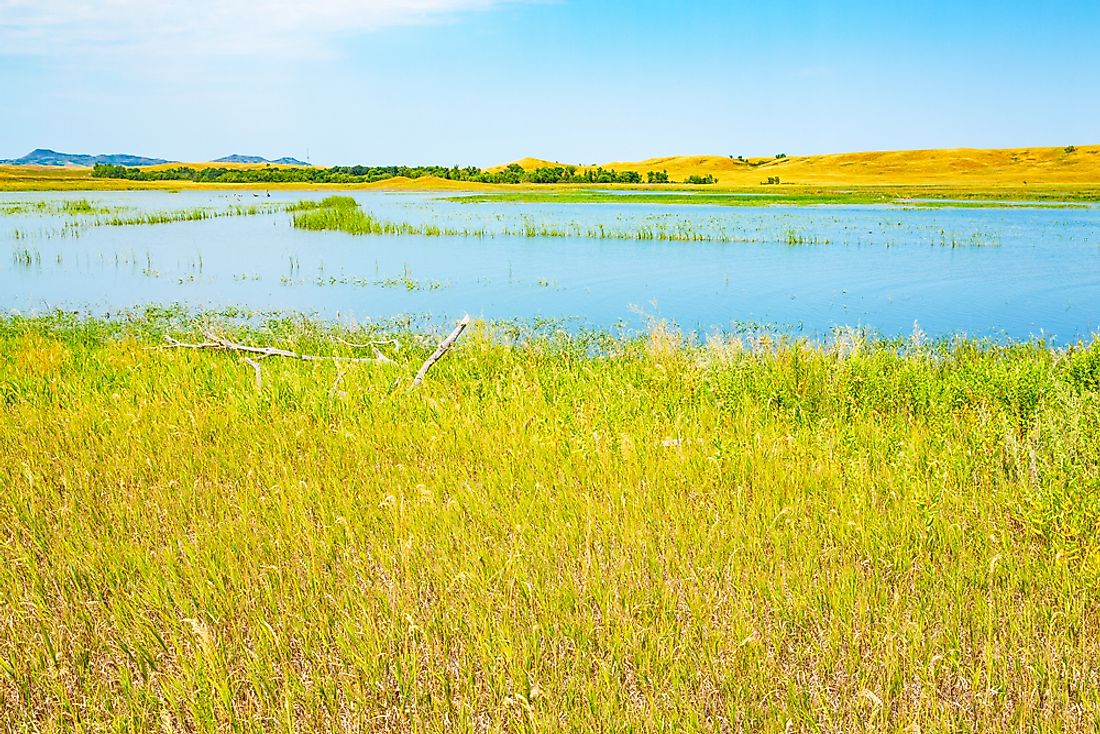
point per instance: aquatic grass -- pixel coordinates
(357, 222)
(348, 217)
(329, 202)
(65, 207)
(353, 220)
(196, 214)
(556, 532)
(82, 207)
(25, 257)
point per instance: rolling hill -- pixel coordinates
(955, 166)
(47, 157)
(235, 158)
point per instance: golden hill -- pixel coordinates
(424, 183)
(527, 164)
(961, 166)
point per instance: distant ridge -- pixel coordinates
(47, 157)
(1070, 164)
(257, 159)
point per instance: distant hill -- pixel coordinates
(46, 157)
(986, 167)
(257, 159)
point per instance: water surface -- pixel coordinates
(1018, 272)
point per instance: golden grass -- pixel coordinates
(427, 183)
(962, 167)
(527, 164)
(551, 535)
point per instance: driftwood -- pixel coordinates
(441, 350)
(380, 343)
(259, 375)
(220, 343)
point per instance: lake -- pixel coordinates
(985, 272)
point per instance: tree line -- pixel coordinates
(513, 173)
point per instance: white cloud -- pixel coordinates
(203, 27)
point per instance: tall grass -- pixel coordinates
(555, 534)
(348, 217)
(353, 220)
(196, 214)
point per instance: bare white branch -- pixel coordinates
(259, 375)
(380, 343)
(445, 345)
(221, 343)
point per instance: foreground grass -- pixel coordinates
(552, 534)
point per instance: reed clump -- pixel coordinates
(554, 532)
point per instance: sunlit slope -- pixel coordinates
(965, 166)
(424, 183)
(528, 164)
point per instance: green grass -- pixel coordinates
(553, 534)
(70, 207)
(800, 196)
(25, 257)
(349, 218)
(353, 220)
(196, 214)
(329, 202)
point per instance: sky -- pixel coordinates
(482, 82)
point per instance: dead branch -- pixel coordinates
(176, 344)
(445, 345)
(216, 342)
(259, 375)
(336, 386)
(379, 343)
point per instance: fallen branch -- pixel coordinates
(336, 386)
(380, 343)
(259, 376)
(221, 343)
(441, 350)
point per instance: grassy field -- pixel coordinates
(551, 534)
(924, 197)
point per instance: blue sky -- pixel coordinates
(486, 81)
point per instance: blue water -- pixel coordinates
(1018, 272)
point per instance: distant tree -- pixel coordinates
(778, 156)
(1070, 148)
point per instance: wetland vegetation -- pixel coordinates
(552, 530)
